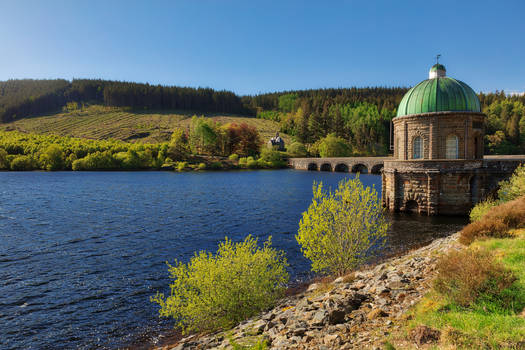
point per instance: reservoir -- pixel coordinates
(82, 252)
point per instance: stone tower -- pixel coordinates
(438, 149)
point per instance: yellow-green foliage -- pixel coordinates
(4, 163)
(49, 152)
(201, 166)
(342, 229)
(481, 209)
(333, 146)
(53, 158)
(233, 157)
(178, 146)
(214, 291)
(297, 149)
(181, 166)
(271, 158)
(514, 187)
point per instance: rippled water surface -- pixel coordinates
(82, 252)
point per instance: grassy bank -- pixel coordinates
(478, 296)
(491, 322)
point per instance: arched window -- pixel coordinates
(452, 147)
(417, 148)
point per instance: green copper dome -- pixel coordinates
(439, 94)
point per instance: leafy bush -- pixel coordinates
(181, 166)
(178, 147)
(272, 158)
(214, 291)
(23, 163)
(201, 166)
(252, 163)
(216, 166)
(270, 115)
(514, 187)
(297, 149)
(243, 161)
(233, 157)
(465, 276)
(53, 157)
(497, 222)
(4, 161)
(342, 229)
(481, 209)
(333, 146)
(96, 161)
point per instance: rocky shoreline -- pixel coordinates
(358, 311)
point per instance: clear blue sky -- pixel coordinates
(259, 46)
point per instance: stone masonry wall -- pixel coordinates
(442, 187)
(433, 128)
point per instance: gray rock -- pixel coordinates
(319, 318)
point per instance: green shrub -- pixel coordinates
(481, 209)
(262, 164)
(467, 275)
(53, 158)
(333, 146)
(214, 291)
(4, 161)
(497, 222)
(181, 166)
(23, 163)
(233, 157)
(297, 149)
(97, 161)
(342, 229)
(252, 163)
(271, 158)
(178, 147)
(216, 166)
(201, 166)
(514, 187)
(243, 161)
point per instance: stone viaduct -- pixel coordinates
(364, 165)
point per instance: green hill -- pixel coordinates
(100, 122)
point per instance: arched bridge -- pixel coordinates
(363, 165)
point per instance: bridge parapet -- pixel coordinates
(340, 164)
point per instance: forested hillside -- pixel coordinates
(22, 98)
(356, 117)
(361, 117)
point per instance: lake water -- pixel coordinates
(82, 252)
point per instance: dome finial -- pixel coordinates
(437, 70)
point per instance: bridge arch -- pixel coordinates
(412, 206)
(376, 169)
(341, 167)
(359, 168)
(312, 166)
(326, 167)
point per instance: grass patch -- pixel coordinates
(491, 321)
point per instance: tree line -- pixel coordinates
(360, 116)
(22, 98)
